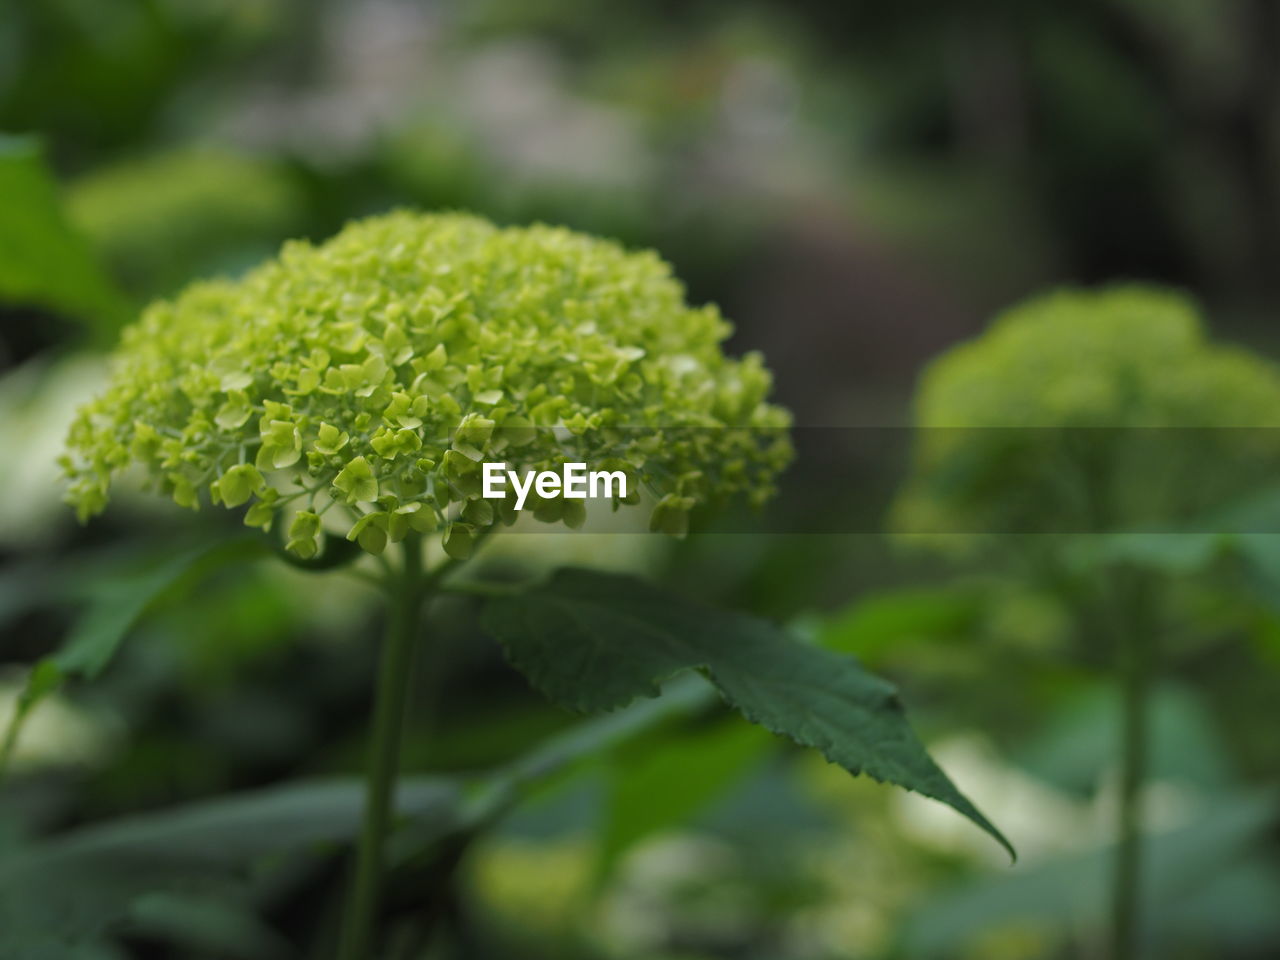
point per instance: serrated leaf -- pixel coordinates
(595, 641)
(43, 260)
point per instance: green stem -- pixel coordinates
(407, 594)
(10, 743)
(1135, 676)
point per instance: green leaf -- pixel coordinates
(170, 869)
(96, 637)
(43, 260)
(673, 781)
(874, 625)
(503, 789)
(77, 888)
(1083, 736)
(208, 925)
(595, 641)
(1173, 553)
(1069, 894)
(1261, 551)
(115, 606)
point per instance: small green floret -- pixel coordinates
(375, 372)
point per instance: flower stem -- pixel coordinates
(406, 593)
(1135, 674)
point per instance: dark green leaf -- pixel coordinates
(218, 927)
(73, 890)
(43, 261)
(115, 606)
(79, 887)
(596, 641)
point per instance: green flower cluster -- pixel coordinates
(376, 372)
(1087, 410)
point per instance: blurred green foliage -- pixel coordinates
(43, 261)
(192, 211)
(860, 186)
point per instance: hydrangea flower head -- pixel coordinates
(374, 373)
(1085, 410)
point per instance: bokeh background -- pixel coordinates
(858, 185)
